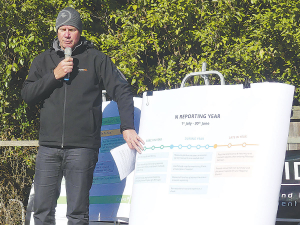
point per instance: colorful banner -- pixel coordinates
(213, 155)
(109, 196)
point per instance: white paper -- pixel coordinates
(125, 159)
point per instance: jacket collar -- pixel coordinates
(82, 45)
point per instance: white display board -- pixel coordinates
(213, 155)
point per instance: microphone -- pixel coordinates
(68, 53)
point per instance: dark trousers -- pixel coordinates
(77, 166)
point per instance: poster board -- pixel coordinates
(213, 155)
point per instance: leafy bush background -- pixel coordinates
(155, 43)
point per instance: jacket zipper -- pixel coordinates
(64, 118)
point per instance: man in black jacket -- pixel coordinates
(70, 117)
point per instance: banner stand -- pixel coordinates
(204, 74)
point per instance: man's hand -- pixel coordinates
(133, 140)
(63, 68)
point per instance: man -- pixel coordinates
(71, 116)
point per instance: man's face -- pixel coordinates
(68, 36)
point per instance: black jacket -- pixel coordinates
(71, 113)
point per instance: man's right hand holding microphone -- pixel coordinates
(65, 67)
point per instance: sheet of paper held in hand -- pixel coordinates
(125, 159)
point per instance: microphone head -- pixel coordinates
(68, 52)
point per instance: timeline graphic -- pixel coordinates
(229, 145)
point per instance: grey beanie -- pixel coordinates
(68, 17)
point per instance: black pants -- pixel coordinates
(77, 166)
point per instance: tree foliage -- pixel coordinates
(165, 40)
(155, 43)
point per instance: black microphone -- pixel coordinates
(68, 53)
